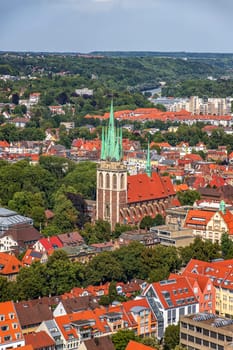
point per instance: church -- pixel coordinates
(123, 198)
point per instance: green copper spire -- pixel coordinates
(222, 207)
(111, 147)
(148, 163)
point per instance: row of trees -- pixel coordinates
(59, 274)
(30, 190)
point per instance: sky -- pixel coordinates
(116, 25)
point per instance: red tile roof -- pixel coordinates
(179, 289)
(141, 187)
(51, 243)
(9, 264)
(39, 340)
(133, 345)
(198, 217)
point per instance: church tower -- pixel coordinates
(111, 194)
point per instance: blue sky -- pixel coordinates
(114, 25)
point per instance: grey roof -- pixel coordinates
(52, 328)
(138, 309)
(10, 217)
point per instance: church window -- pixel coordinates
(107, 211)
(122, 181)
(107, 181)
(114, 181)
(101, 180)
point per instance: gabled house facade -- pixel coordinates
(11, 335)
(220, 273)
(170, 299)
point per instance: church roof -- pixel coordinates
(141, 187)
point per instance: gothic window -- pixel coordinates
(107, 181)
(101, 180)
(114, 181)
(107, 211)
(122, 181)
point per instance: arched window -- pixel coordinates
(107, 181)
(122, 181)
(100, 180)
(107, 211)
(114, 181)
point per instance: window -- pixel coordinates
(213, 346)
(183, 336)
(206, 332)
(191, 338)
(7, 338)
(213, 335)
(122, 181)
(107, 181)
(220, 336)
(114, 181)
(101, 180)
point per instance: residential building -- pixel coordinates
(9, 266)
(204, 290)
(11, 335)
(101, 343)
(221, 274)
(19, 237)
(210, 225)
(40, 341)
(48, 244)
(169, 300)
(32, 312)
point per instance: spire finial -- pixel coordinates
(148, 162)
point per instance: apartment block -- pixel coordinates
(206, 331)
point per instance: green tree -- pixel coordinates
(171, 337)
(201, 250)
(226, 246)
(188, 197)
(103, 268)
(122, 338)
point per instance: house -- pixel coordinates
(48, 244)
(19, 237)
(9, 266)
(11, 335)
(19, 122)
(221, 274)
(210, 225)
(52, 329)
(32, 256)
(34, 98)
(101, 343)
(204, 290)
(40, 341)
(31, 313)
(75, 304)
(169, 300)
(71, 239)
